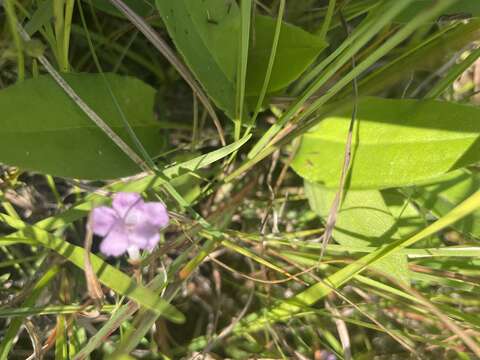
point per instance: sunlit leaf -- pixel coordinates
(364, 219)
(395, 143)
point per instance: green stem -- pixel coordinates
(328, 19)
(12, 22)
(246, 12)
(66, 31)
(59, 23)
(271, 61)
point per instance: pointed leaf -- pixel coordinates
(296, 50)
(206, 34)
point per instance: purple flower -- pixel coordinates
(129, 225)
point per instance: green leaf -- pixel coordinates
(42, 129)
(296, 50)
(407, 217)
(206, 34)
(364, 219)
(443, 195)
(395, 143)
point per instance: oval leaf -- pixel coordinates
(396, 143)
(206, 34)
(296, 50)
(42, 129)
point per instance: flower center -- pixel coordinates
(130, 220)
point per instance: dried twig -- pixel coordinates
(341, 329)
(332, 216)
(93, 285)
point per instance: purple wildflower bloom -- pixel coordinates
(129, 225)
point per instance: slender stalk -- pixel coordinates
(59, 24)
(66, 31)
(271, 62)
(246, 15)
(12, 21)
(328, 19)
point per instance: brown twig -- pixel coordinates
(335, 207)
(93, 285)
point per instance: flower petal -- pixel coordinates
(156, 213)
(152, 242)
(103, 218)
(116, 242)
(123, 202)
(144, 235)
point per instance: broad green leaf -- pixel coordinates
(43, 130)
(395, 143)
(143, 8)
(364, 219)
(296, 50)
(443, 195)
(206, 34)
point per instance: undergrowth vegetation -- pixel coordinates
(208, 179)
